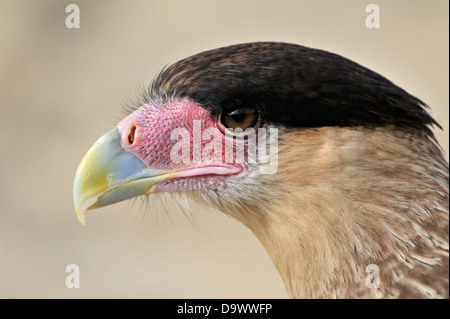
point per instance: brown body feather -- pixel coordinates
(346, 198)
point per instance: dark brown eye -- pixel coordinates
(240, 118)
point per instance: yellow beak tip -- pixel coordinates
(81, 217)
(108, 174)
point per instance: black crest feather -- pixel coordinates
(293, 85)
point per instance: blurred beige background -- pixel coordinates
(61, 89)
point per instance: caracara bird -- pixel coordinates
(348, 190)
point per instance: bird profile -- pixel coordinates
(333, 167)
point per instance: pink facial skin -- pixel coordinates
(147, 134)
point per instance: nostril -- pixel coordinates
(131, 134)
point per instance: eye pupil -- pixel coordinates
(238, 116)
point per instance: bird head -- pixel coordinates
(282, 137)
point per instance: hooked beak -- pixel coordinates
(108, 174)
